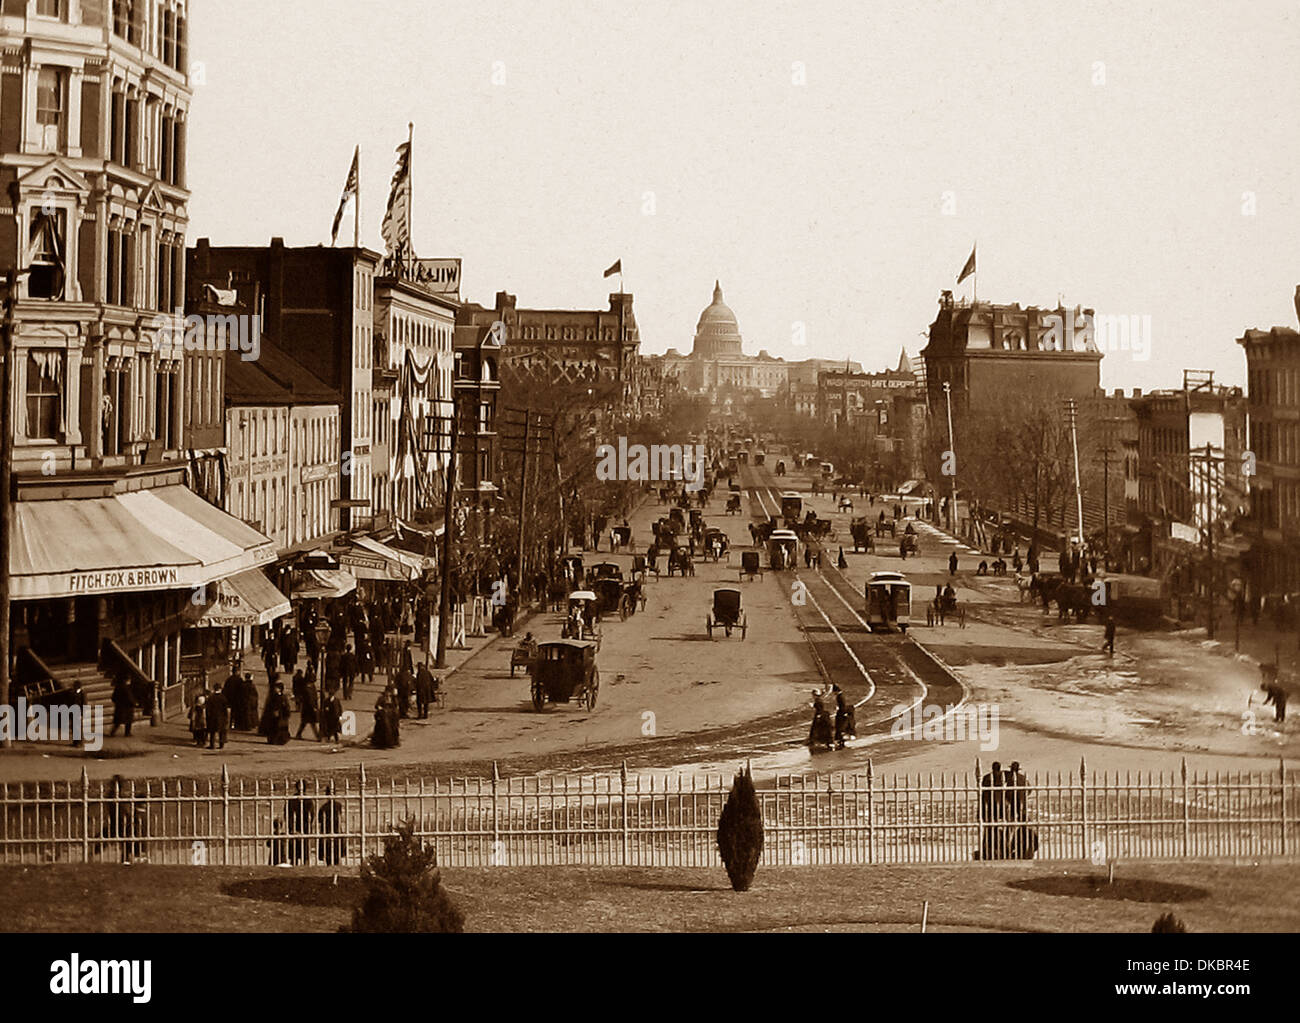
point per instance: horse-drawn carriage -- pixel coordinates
(697, 524)
(733, 504)
(909, 540)
(727, 613)
(583, 620)
(782, 549)
(944, 607)
(622, 537)
(563, 671)
(609, 594)
(677, 519)
(862, 538)
(815, 528)
(523, 654)
(751, 565)
(681, 562)
(885, 527)
(716, 543)
(780, 467)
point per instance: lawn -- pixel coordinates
(994, 897)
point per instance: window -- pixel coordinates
(47, 254)
(164, 403)
(51, 122)
(49, 8)
(44, 394)
(124, 19)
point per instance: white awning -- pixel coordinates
(167, 538)
(242, 600)
(324, 584)
(370, 559)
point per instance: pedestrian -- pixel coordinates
(300, 814)
(199, 719)
(309, 708)
(299, 684)
(902, 548)
(952, 563)
(233, 691)
(807, 556)
(1276, 696)
(992, 813)
(269, 654)
(332, 717)
(289, 650)
(1110, 634)
(331, 847)
(424, 690)
(275, 719)
(123, 705)
(842, 563)
(218, 720)
(348, 670)
(405, 681)
(250, 701)
(845, 725)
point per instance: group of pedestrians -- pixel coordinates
(291, 846)
(1004, 835)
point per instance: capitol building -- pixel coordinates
(719, 367)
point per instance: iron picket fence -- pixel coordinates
(656, 820)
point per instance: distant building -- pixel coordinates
(986, 351)
(1273, 361)
(315, 305)
(567, 358)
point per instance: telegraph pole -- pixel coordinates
(1072, 416)
(448, 525)
(1209, 538)
(523, 503)
(6, 477)
(1106, 452)
(952, 450)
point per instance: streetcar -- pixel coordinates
(791, 506)
(889, 602)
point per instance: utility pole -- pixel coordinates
(448, 526)
(1106, 452)
(1072, 416)
(952, 450)
(1209, 538)
(6, 477)
(523, 503)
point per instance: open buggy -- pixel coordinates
(565, 671)
(583, 621)
(680, 561)
(862, 538)
(522, 655)
(716, 543)
(727, 613)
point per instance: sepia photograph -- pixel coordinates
(732, 468)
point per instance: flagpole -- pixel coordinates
(356, 204)
(975, 277)
(410, 188)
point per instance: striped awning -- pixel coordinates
(242, 600)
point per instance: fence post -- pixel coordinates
(496, 860)
(1284, 818)
(225, 815)
(871, 810)
(1187, 824)
(86, 815)
(361, 793)
(623, 776)
(1083, 796)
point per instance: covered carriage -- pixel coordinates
(727, 612)
(565, 671)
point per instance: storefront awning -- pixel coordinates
(242, 600)
(167, 538)
(369, 559)
(324, 584)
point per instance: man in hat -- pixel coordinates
(992, 813)
(348, 670)
(218, 719)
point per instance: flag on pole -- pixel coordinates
(396, 228)
(969, 268)
(349, 193)
(617, 268)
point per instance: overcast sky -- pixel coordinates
(831, 163)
